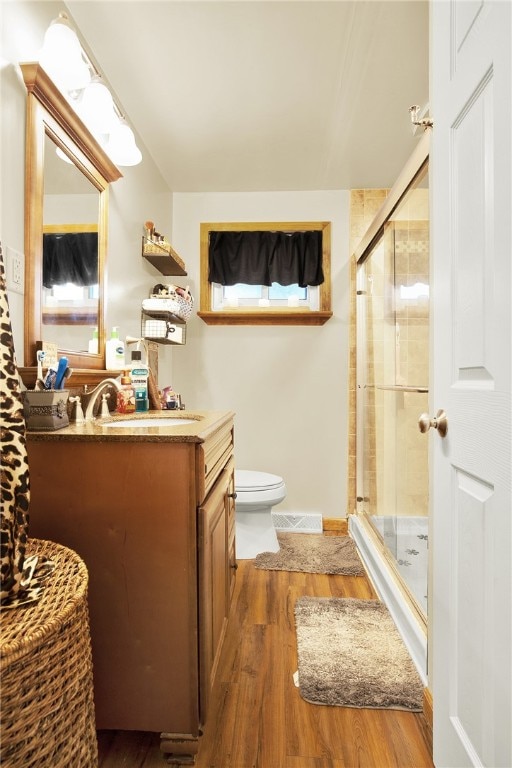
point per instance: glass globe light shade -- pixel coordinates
(61, 56)
(96, 108)
(63, 156)
(121, 146)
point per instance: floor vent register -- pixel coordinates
(303, 523)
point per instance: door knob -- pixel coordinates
(232, 495)
(440, 422)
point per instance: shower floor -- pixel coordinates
(407, 540)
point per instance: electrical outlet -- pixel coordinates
(15, 270)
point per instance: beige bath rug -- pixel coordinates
(313, 553)
(351, 655)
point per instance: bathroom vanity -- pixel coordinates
(151, 511)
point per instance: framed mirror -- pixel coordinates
(67, 176)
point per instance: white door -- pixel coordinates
(471, 377)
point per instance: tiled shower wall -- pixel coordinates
(411, 244)
(412, 316)
(364, 204)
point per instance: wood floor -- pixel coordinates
(258, 719)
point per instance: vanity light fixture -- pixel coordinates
(121, 146)
(61, 56)
(60, 153)
(73, 72)
(96, 107)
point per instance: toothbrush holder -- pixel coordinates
(46, 410)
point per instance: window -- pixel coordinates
(257, 296)
(224, 301)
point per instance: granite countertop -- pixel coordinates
(204, 424)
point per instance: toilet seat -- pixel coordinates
(250, 481)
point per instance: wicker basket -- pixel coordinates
(176, 305)
(47, 706)
(150, 248)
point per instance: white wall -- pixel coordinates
(140, 195)
(287, 385)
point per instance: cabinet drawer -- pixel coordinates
(213, 456)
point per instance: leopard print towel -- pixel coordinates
(14, 464)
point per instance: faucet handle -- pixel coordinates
(105, 413)
(79, 414)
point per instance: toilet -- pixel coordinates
(256, 494)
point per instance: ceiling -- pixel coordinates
(265, 95)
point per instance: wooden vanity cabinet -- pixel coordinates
(214, 584)
(154, 523)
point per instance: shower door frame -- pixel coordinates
(411, 621)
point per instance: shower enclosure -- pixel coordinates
(391, 524)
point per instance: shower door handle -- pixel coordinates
(440, 422)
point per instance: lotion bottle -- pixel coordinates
(93, 343)
(114, 352)
(139, 376)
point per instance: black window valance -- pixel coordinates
(263, 258)
(70, 258)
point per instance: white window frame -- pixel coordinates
(219, 301)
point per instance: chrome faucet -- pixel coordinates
(93, 396)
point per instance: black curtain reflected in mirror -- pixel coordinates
(70, 258)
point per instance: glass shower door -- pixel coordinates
(393, 364)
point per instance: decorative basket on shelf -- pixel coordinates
(177, 306)
(151, 248)
(163, 330)
(172, 299)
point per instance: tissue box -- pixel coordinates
(46, 410)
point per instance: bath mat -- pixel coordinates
(312, 553)
(351, 655)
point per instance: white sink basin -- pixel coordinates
(149, 422)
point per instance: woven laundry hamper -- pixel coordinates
(47, 705)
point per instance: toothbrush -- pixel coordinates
(49, 382)
(40, 354)
(67, 374)
(61, 370)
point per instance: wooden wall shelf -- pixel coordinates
(163, 257)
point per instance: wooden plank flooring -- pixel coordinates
(258, 718)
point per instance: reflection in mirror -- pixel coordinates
(70, 289)
(54, 199)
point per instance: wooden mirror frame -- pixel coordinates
(50, 114)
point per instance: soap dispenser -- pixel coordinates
(114, 352)
(126, 395)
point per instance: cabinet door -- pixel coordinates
(232, 564)
(213, 582)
